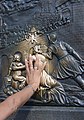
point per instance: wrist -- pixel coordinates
(34, 86)
(30, 86)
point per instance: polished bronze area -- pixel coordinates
(14, 76)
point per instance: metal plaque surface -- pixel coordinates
(53, 29)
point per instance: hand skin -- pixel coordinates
(33, 75)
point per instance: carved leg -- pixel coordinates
(22, 85)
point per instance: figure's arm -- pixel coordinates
(73, 52)
(33, 75)
(10, 69)
(18, 67)
(48, 54)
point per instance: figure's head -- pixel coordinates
(17, 56)
(53, 37)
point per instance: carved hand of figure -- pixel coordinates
(37, 49)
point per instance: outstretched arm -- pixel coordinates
(73, 52)
(33, 75)
(18, 67)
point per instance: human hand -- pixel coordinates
(33, 72)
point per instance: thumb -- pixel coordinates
(43, 66)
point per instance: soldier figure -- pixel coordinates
(70, 64)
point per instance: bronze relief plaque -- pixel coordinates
(53, 29)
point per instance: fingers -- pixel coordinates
(35, 68)
(39, 64)
(31, 62)
(34, 58)
(43, 66)
(36, 64)
(27, 67)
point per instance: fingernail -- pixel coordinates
(25, 60)
(30, 55)
(34, 57)
(45, 63)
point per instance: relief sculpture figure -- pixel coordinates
(50, 89)
(17, 68)
(69, 63)
(18, 81)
